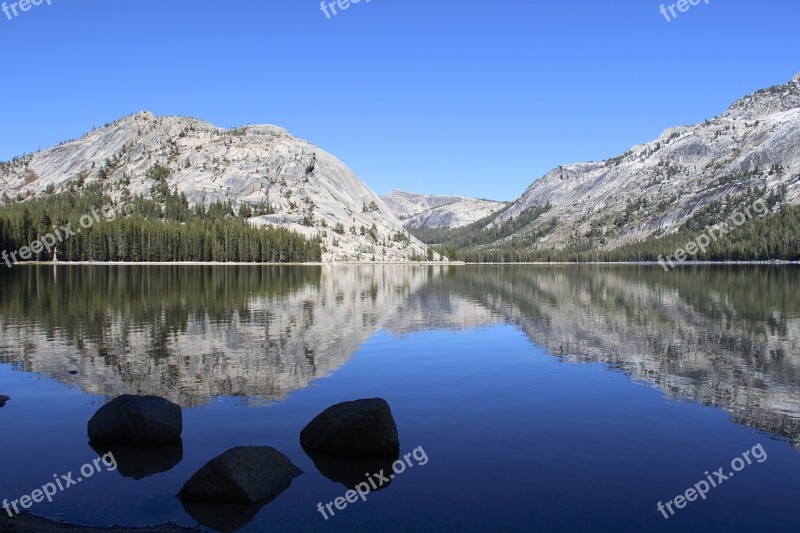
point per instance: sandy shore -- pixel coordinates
(27, 523)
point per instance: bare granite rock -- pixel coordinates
(137, 421)
(244, 475)
(353, 429)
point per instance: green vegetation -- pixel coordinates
(164, 228)
(465, 243)
(773, 237)
(776, 236)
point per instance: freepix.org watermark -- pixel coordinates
(50, 241)
(712, 481)
(329, 7)
(713, 234)
(60, 484)
(15, 9)
(682, 6)
(374, 482)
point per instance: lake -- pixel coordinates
(563, 398)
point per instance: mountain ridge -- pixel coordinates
(749, 152)
(418, 211)
(306, 188)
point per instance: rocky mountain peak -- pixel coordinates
(142, 115)
(767, 101)
(299, 185)
(752, 151)
(418, 211)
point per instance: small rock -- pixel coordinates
(245, 475)
(3, 400)
(137, 421)
(353, 429)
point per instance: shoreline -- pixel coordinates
(216, 263)
(29, 523)
(770, 262)
(777, 262)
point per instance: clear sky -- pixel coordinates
(437, 96)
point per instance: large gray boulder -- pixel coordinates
(353, 429)
(137, 421)
(245, 475)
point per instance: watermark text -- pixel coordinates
(15, 9)
(713, 234)
(59, 484)
(681, 6)
(712, 481)
(329, 7)
(374, 482)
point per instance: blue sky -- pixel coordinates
(443, 97)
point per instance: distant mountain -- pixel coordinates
(418, 211)
(308, 189)
(715, 168)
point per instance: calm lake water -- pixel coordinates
(570, 398)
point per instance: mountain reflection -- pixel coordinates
(722, 336)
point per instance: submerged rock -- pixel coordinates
(137, 421)
(353, 429)
(3, 400)
(245, 475)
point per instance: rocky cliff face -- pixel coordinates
(309, 190)
(655, 187)
(427, 211)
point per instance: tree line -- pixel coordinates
(161, 228)
(773, 237)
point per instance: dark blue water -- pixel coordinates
(545, 400)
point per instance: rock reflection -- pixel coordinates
(722, 336)
(350, 471)
(223, 517)
(139, 463)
